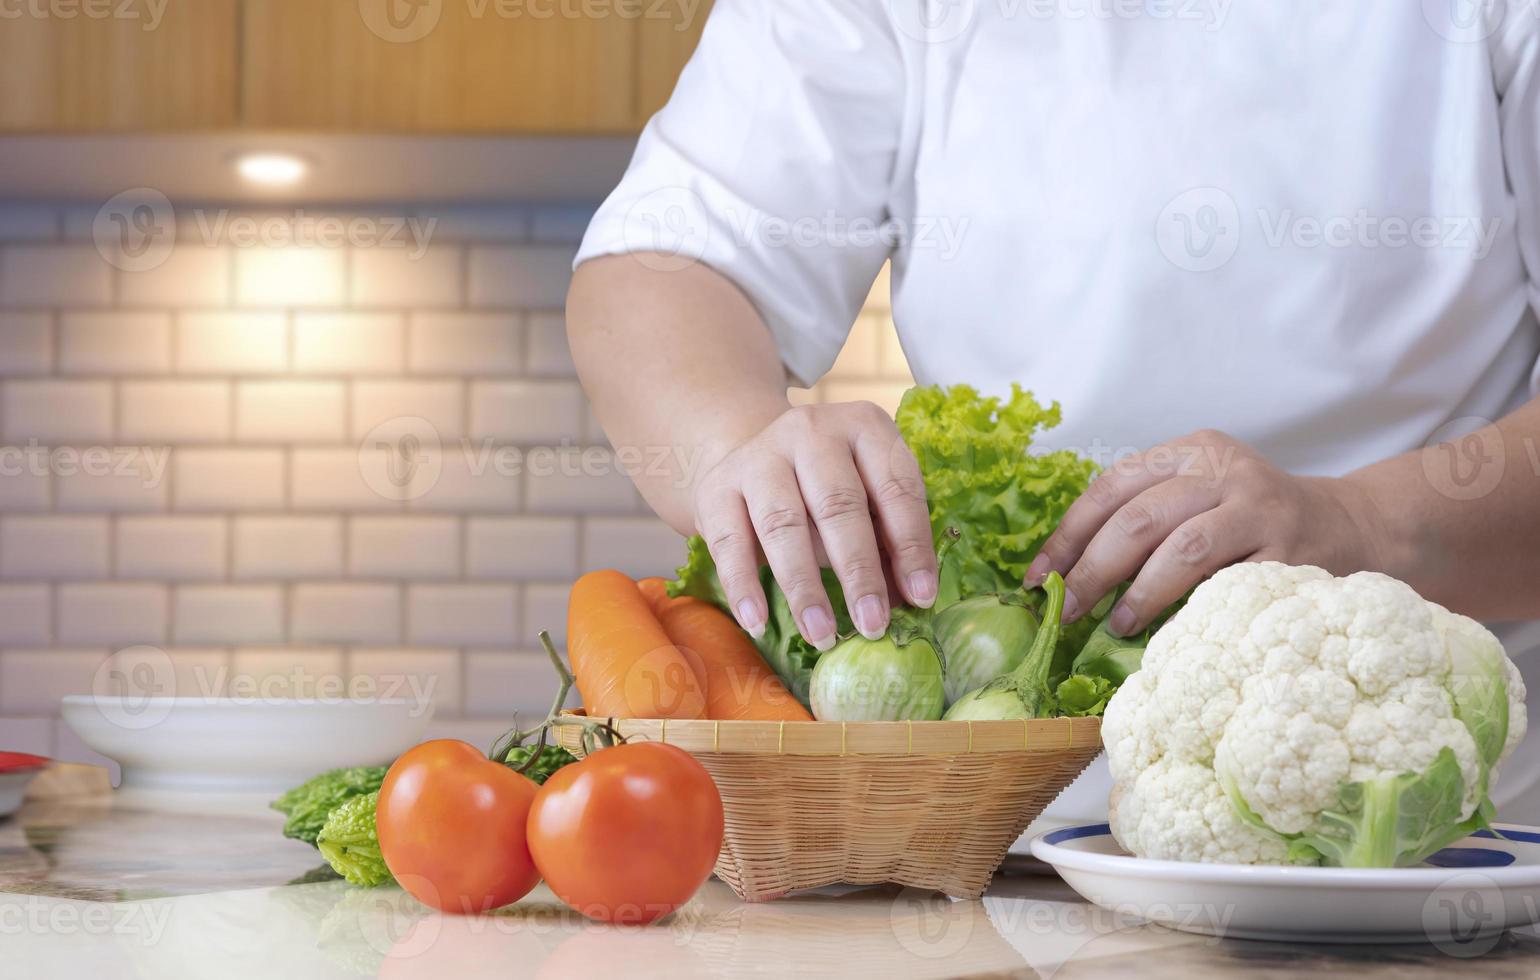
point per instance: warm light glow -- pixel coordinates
(271, 169)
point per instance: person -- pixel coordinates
(1279, 263)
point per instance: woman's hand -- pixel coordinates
(831, 479)
(1173, 515)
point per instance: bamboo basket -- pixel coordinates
(929, 804)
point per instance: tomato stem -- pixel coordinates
(514, 736)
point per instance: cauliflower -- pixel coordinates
(1288, 716)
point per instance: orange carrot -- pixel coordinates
(739, 684)
(655, 591)
(624, 662)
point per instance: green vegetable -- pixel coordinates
(1078, 695)
(309, 804)
(982, 638)
(983, 477)
(895, 678)
(1024, 692)
(350, 845)
(550, 759)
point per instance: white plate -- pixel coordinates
(1475, 889)
(171, 747)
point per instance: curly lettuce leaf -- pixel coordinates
(1079, 695)
(981, 476)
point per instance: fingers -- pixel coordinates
(780, 520)
(836, 499)
(1198, 548)
(1112, 488)
(722, 518)
(897, 494)
(1129, 536)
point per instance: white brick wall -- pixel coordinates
(246, 527)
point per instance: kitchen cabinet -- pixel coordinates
(111, 66)
(455, 66)
(404, 66)
(666, 43)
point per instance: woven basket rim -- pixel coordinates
(841, 738)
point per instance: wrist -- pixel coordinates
(1373, 540)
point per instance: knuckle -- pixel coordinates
(778, 521)
(798, 420)
(801, 587)
(897, 489)
(912, 552)
(860, 567)
(1085, 577)
(725, 543)
(1192, 545)
(1103, 491)
(839, 504)
(1135, 520)
(1208, 437)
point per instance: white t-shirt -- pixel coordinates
(1312, 224)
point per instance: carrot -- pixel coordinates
(655, 591)
(624, 662)
(739, 684)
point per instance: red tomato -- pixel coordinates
(452, 828)
(628, 834)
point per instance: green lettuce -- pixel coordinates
(982, 477)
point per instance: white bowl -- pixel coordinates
(232, 745)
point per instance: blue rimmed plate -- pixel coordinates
(1463, 897)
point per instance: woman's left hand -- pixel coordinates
(1173, 515)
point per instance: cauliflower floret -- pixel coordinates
(1177, 811)
(1285, 684)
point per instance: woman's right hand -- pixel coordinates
(836, 480)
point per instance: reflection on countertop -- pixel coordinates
(90, 887)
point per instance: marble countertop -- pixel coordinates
(94, 886)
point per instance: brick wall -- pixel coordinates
(203, 444)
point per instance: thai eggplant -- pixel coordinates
(1024, 692)
(895, 678)
(982, 638)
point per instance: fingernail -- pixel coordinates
(922, 588)
(1071, 607)
(1039, 569)
(871, 616)
(750, 619)
(818, 627)
(1121, 622)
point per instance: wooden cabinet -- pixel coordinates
(666, 43)
(440, 66)
(437, 65)
(120, 66)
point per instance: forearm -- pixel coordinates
(679, 369)
(1460, 521)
